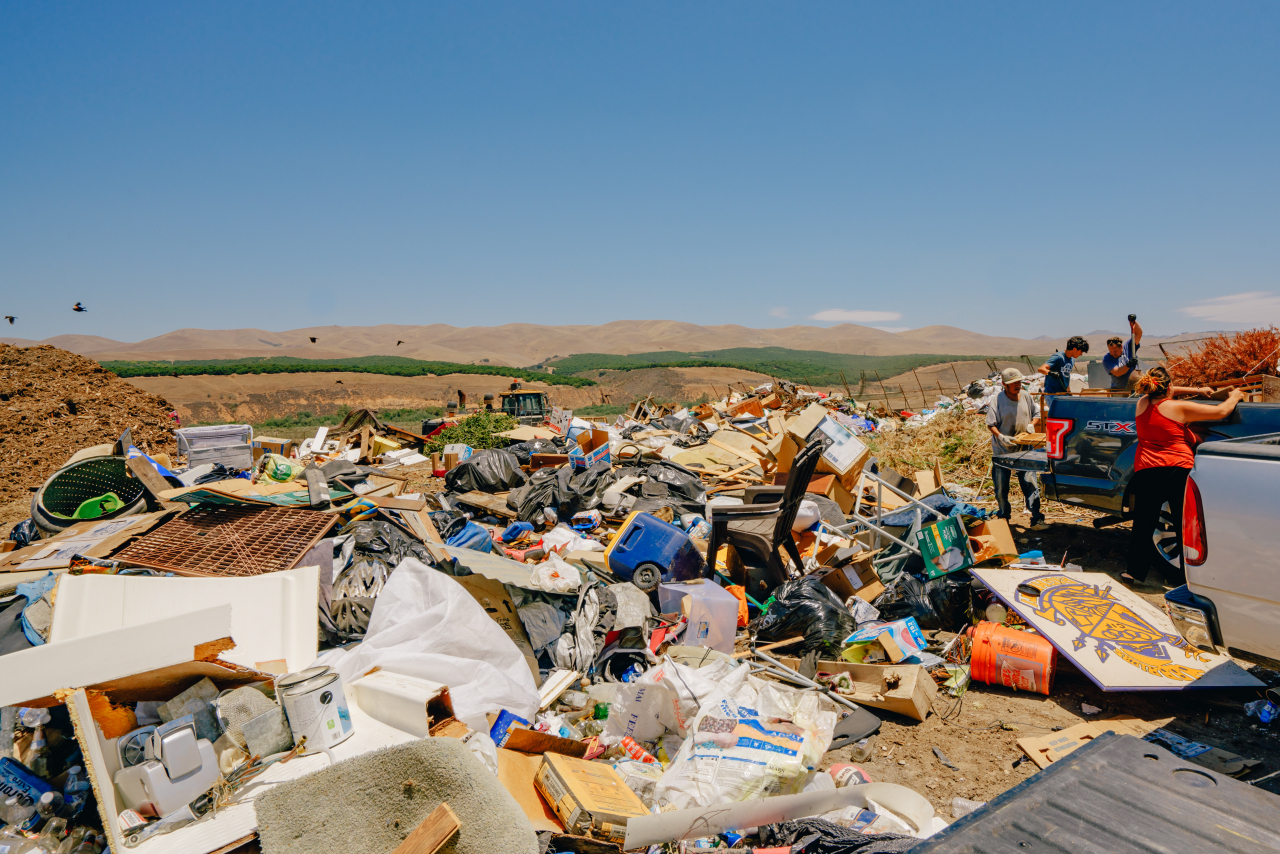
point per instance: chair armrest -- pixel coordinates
(740, 511)
(763, 494)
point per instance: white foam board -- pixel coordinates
(273, 616)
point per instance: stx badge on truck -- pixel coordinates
(1124, 427)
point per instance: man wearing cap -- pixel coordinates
(1009, 414)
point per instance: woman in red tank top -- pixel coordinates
(1166, 453)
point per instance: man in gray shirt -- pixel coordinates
(1011, 413)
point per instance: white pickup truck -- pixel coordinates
(1231, 551)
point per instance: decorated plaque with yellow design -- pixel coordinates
(1122, 641)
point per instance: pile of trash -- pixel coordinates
(622, 635)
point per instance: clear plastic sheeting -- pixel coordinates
(427, 625)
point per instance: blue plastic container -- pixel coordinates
(648, 551)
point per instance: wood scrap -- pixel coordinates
(430, 836)
(768, 646)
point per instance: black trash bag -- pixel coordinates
(806, 606)
(375, 549)
(217, 473)
(820, 836)
(630, 432)
(544, 488)
(588, 486)
(493, 470)
(448, 523)
(669, 485)
(943, 603)
(525, 450)
(24, 533)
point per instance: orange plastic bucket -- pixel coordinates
(1018, 660)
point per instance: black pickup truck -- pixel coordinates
(1088, 455)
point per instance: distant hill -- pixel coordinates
(524, 344)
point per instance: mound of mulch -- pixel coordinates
(53, 403)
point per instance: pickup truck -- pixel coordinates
(1231, 601)
(1089, 449)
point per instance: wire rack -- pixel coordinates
(216, 540)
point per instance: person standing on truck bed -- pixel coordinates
(1057, 371)
(1164, 459)
(1121, 361)
(1011, 413)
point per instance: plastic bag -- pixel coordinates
(941, 603)
(492, 470)
(565, 490)
(280, 469)
(806, 606)
(555, 575)
(667, 484)
(768, 734)
(472, 536)
(366, 555)
(24, 533)
(427, 625)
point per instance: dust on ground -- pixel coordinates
(54, 403)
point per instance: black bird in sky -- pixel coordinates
(10, 318)
(79, 307)
(338, 382)
(313, 340)
(398, 343)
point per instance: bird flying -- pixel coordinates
(79, 307)
(313, 340)
(10, 318)
(398, 343)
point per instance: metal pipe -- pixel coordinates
(805, 681)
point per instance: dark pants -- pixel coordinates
(1151, 489)
(1000, 476)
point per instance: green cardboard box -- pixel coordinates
(944, 545)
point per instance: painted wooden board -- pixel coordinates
(1120, 640)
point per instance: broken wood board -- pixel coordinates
(495, 503)
(430, 836)
(1118, 639)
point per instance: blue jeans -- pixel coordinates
(1030, 491)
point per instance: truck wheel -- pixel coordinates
(1166, 537)
(647, 576)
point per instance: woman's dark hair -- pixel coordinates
(1075, 342)
(1155, 382)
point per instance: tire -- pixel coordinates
(1166, 538)
(647, 577)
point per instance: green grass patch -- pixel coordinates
(805, 366)
(398, 366)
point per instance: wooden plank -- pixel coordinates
(775, 645)
(396, 503)
(430, 836)
(729, 475)
(495, 503)
(725, 446)
(151, 481)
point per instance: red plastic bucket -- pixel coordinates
(1018, 660)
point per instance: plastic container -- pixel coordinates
(648, 551)
(1015, 659)
(712, 612)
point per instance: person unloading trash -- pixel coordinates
(1121, 360)
(1057, 370)
(1011, 413)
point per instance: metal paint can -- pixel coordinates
(289, 681)
(317, 709)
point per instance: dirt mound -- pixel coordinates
(53, 403)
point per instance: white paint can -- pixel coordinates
(317, 709)
(289, 681)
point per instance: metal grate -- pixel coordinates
(230, 540)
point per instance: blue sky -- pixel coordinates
(1022, 169)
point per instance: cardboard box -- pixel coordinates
(992, 539)
(806, 422)
(560, 419)
(270, 445)
(903, 688)
(91, 538)
(454, 454)
(588, 797)
(944, 545)
(746, 406)
(593, 447)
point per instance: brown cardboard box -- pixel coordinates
(993, 539)
(903, 688)
(855, 579)
(588, 797)
(269, 445)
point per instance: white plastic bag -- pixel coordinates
(750, 739)
(555, 575)
(427, 625)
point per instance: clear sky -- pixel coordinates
(1014, 168)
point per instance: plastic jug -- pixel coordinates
(647, 551)
(712, 612)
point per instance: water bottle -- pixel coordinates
(17, 810)
(51, 804)
(76, 791)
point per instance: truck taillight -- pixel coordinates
(1195, 548)
(1056, 430)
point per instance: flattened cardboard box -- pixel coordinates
(588, 796)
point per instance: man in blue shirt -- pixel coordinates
(1121, 361)
(1058, 369)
